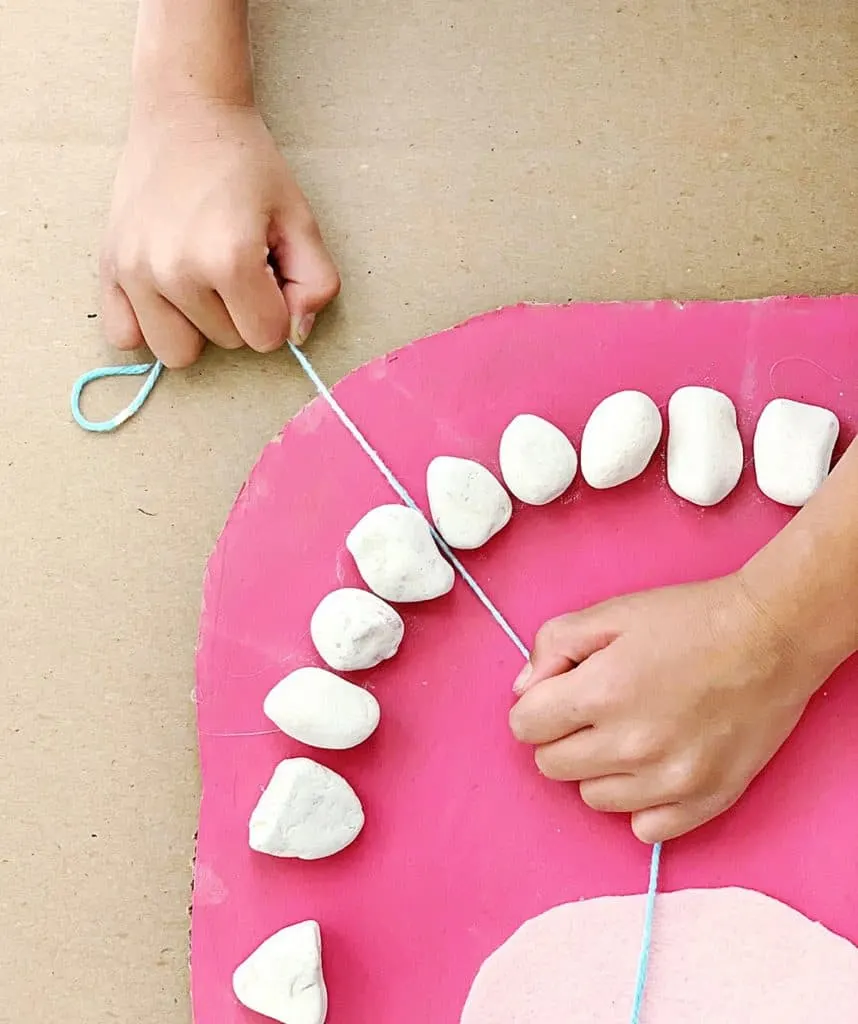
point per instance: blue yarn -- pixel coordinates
(154, 371)
(131, 370)
(646, 939)
(387, 473)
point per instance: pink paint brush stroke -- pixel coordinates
(464, 840)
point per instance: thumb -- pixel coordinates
(669, 821)
(658, 824)
(565, 642)
(309, 278)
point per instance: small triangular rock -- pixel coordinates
(283, 978)
(307, 811)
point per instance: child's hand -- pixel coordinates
(681, 696)
(201, 198)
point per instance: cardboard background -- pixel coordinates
(460, 156)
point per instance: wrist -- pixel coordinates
(815, 621)
(157, 87)
(197, 50)
(163, 107)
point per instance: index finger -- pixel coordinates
(552, 708)
(253, 299)
(565, 642)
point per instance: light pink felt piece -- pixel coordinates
(464, 840)
(720, 956)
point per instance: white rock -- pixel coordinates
(468, 504)
(793, 444)
(283, 978)
(537, 460)
(307, 811)
(354, 630)
(397, 557)
(704, 450)
(619, 439)
(320, 709)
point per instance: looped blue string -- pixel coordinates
(131, 370)
(154, 371)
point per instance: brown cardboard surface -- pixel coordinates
(460, 155)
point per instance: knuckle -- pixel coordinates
(180, 359)
(546, 762)
(130, 264)
(171, 269)
(548, 635)
(649, 831)
(269, 332)
(518, 723)
(588, 795)
(330, 285)
(270, 337)
(684, 776)
(226, 262)
(182, 362)
(123, 338)
(229, 342)
(592, 795)
(638, 746)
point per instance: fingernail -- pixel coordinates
(520, 684)
(300, 327)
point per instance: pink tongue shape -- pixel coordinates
(721, 956)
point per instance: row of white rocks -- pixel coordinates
(308, 811)
(793, 445)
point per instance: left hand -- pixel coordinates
(203, 200)
(664, 704)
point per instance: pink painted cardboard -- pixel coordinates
(464, 840)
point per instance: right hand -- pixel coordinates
(202, 199)
(664, 704)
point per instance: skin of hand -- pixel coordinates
(680, 696)
(204, 204)
(666, 704)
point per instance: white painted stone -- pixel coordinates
(704, 450)
(397, 557)
(537, 460)
(322, 710)
(354, 630)
(793, 445)
(283, 978)
(619, 439)
(468, 503)
(307, 811)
